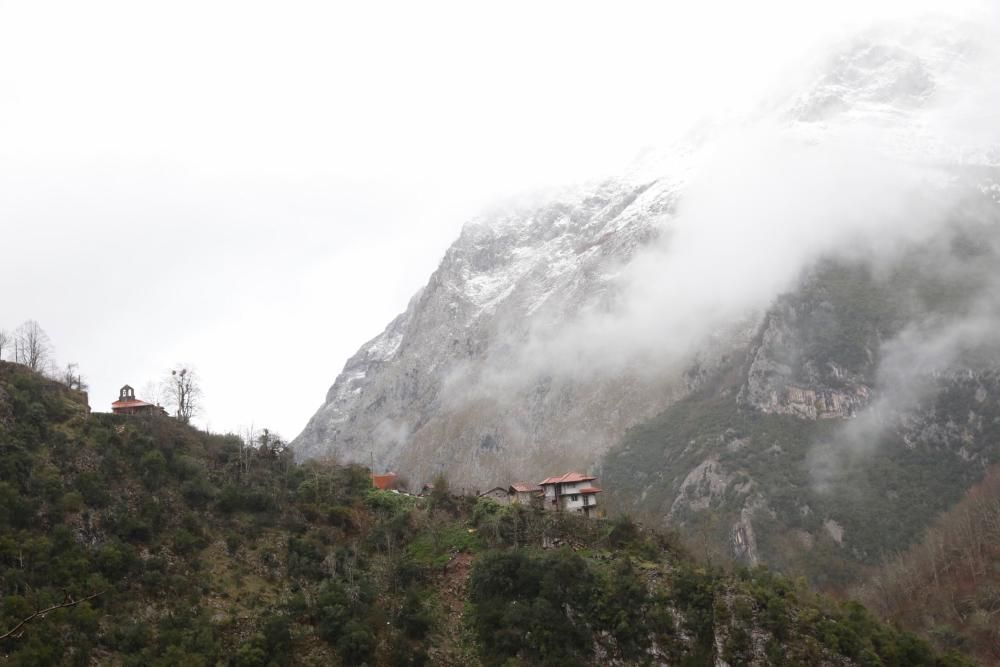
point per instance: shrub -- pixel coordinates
(154, 468)
(71, 502)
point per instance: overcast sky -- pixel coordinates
(257, 188)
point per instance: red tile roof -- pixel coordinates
(383, 482)
(524, 487)
(568, 478)
(590, 489)
(131, 404)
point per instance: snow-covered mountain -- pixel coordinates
(414, 396)
(520, 356)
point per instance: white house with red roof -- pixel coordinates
(571, 492)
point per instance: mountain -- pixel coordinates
(418, 395)
(137, 540)
(778, 333)
(865, 405)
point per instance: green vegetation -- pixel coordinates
(198, 549)
(885, 486)
(883, 500)
(948, 585)
(557, 607)
(162, 545)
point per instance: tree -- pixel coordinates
(32, 346)
(5, 341)
(182, 392)
(18, 629)
(248, 440)
(72, 378)
(270, 445)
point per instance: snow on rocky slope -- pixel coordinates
(411, 395)
(445, 387)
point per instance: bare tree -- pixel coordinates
(72, 378)
(32, 346)
(5, 341)
(18, 629)
(182, 392)
(248, 440)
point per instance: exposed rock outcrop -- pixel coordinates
(786, 374)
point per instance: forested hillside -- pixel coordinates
(152, 543)
(948, 586)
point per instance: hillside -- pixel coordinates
(866, 404)
(947, 586)
(158, 544)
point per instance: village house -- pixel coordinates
(128, 404)
(522, 493)
(571, 492)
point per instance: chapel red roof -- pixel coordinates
(134, 403)
(568, 478)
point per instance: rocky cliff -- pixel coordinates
(425, 397)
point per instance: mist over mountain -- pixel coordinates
(554, 324)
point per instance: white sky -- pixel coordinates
(258, 188)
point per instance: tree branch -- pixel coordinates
(43, 612)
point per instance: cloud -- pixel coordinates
(189, 176)
(912, 367)
(767, 197)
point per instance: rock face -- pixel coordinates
(413, 395)
(781, 381)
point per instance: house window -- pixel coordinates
(575, 497)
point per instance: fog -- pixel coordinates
(930, 353)
(901, 159)
(256, 189)
(769, 195)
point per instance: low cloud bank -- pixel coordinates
(768, 197)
